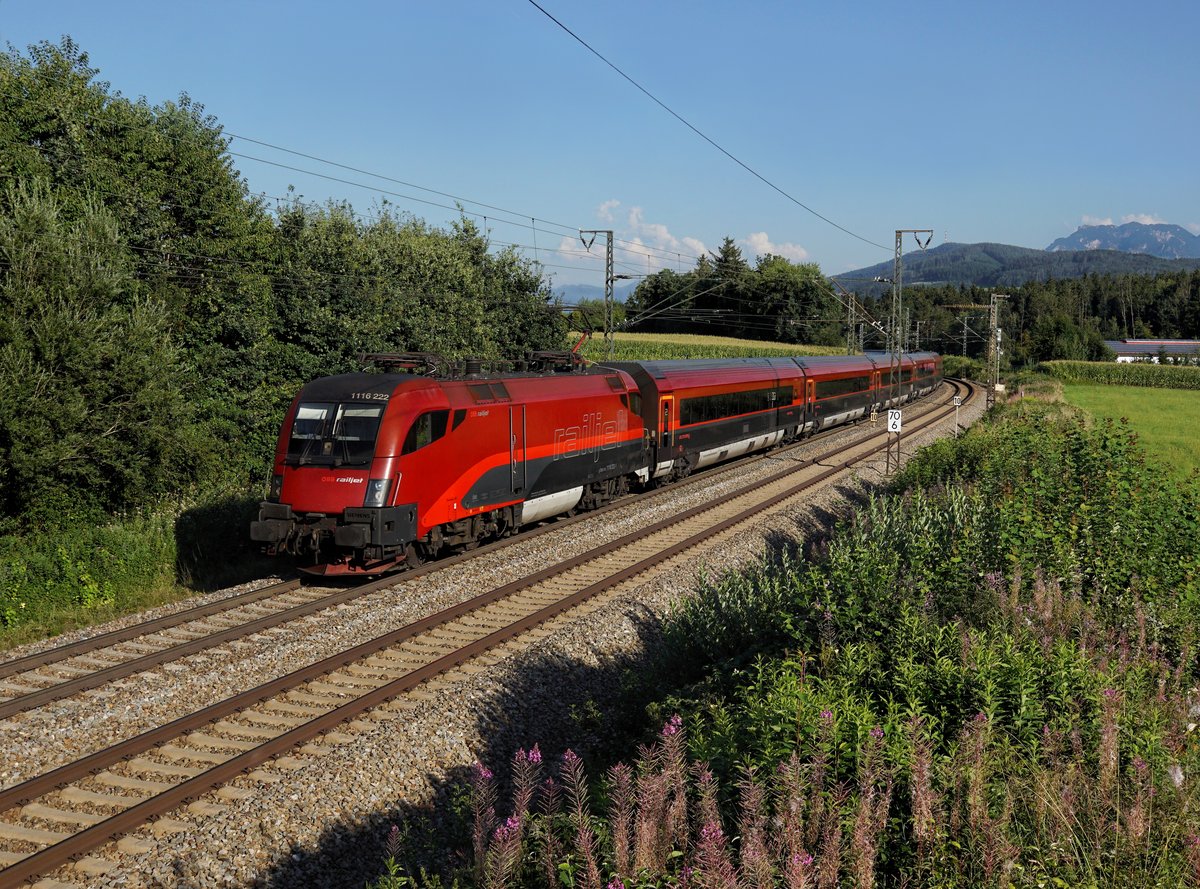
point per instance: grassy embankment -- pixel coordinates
(986, 679)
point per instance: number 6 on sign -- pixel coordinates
(893, 421)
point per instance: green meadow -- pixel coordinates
(1166, 420)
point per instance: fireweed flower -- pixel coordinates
(673, 725)
(480, 772)
(509, 829)
(877, 733)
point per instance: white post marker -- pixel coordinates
(893, 420)
(957, 404)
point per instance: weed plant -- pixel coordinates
(987, 678)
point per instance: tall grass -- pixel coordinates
(83, 573)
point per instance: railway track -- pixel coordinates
(64, 813)
(41, 678)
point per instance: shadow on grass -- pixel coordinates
(213, 545)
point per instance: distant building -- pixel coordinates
(1177, 351)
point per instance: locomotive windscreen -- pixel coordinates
(328, 434)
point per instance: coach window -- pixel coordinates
(426, 429)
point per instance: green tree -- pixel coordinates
(92, 412)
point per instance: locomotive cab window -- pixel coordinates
(330, 434)
(426, 429)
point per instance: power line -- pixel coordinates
(710, 141)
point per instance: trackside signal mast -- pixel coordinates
(896, 343)
(993, 347)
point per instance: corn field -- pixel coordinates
(1155, 376)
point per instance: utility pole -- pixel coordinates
(850, 327)
(993, 347)
(850, 315)
(609, 277)
(895, 335)
(964, 355)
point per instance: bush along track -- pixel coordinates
(987, 678)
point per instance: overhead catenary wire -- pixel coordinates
(702, 135)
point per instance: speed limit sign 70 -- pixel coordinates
(893, 421)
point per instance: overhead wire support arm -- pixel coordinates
(609, 278)
(896, 343)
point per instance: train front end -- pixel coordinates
(335, 501)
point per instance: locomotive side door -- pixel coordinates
(516, 448)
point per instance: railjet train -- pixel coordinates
(377, 470)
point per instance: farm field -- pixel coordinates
(658, 346)
(1166, 420)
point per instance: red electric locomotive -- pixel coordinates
(377, 469)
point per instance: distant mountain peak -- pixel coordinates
(1160, 239)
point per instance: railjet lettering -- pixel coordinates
(593, 435)
(343, 479)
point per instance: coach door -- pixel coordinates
(516, 448)
(664, 413)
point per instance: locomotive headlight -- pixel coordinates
(276, 489)
(377, 492)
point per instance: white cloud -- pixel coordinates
(657, 237)
(1193, 227)
(760, 245)
(604, 211)
(1096, 220)
(1144, 218)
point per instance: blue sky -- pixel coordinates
(1012, 122)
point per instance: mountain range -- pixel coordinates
(1153, 239)
(1001, 265)
(1134, 248)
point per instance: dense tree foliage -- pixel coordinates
(773, 300)
(1058, 319)
(156, 319)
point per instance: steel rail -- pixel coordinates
(67, 688)
(121, 823)
(104, 640)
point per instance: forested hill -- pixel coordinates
(1001, 265)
